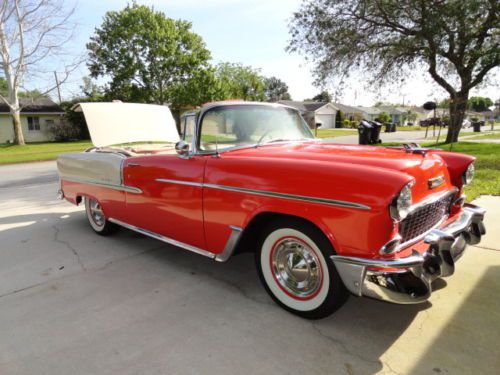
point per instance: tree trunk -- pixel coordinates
(18, 130)
(458, 106)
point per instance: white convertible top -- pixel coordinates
(116, 122)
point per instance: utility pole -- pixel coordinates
(58, 88)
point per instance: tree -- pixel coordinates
(479, 103)
(31, 33)
(276, 89)
(339, 119)
(384, 118)
(457, 41)
(240, 82)
(145, 54)
(323, 96)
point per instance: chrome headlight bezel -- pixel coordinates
(402, 203)
(468, 175)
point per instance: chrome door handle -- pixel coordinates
(133, 165)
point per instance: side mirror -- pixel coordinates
(182, 149)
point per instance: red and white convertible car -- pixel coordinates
(324, 220)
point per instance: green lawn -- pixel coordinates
(490, 135)
(332, 133)
(409, 128)
(38, 151)
(487, 178)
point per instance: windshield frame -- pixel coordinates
(203, 113)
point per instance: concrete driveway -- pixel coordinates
(72, 302)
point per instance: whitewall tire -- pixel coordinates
(97, 219)
(294, 266)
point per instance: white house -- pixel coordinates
(314, 113)
(37, 116)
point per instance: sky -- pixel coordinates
(255, 33)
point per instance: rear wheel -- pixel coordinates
(294, 266)
(97, 219)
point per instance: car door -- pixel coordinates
(170, 202)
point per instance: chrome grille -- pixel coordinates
(424, 218)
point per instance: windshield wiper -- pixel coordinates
(283, 140)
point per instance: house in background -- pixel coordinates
(314, 113)
(37, 117)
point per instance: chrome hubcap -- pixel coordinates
(96, 213)
(296, 268)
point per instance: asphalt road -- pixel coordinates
(72, 302)
(409, 136)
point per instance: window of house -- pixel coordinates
(33, 123)
(49, 123)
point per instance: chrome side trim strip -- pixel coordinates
(128, 189)
(221, 257)
(266, 193)
(168, 240)
(230, 244)
(302, 198)
(179, 182)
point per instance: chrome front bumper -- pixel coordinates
(408, 280)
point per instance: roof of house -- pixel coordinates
(30, 105)
(370, 110)
(304, 106)
(347, 109)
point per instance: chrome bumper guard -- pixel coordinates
(408, 280)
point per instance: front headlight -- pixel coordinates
(400, 207)
(468, 174)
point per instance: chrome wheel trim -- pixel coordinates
(95, 214)
(296, 268)
(287, 299)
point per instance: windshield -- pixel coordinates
(241, 125)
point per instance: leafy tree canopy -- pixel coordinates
(276, 89)
(145, 54)
(479, 103)
(21, 94)
(240, 82)
(323, 96)
(458, 41)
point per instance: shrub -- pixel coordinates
(65, 131)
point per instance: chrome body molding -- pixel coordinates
(231, 244)
(408, 280)
(222, 257)
(128, 189)
(272, 194)
(303, 198)
(179, 182)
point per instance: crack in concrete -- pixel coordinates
(118, 260)
(68, 245)
(240, 289)
(343, 346)
(486, 248)
(20, 290)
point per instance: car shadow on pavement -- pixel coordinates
(360, 332)
(466, 344)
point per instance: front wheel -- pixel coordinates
(294, 266)
(97, 219)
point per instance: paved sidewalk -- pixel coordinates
(72, 302)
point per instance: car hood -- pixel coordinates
(117, 122)
(383, 157)
(421, 166)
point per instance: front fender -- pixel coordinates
(351, 230)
